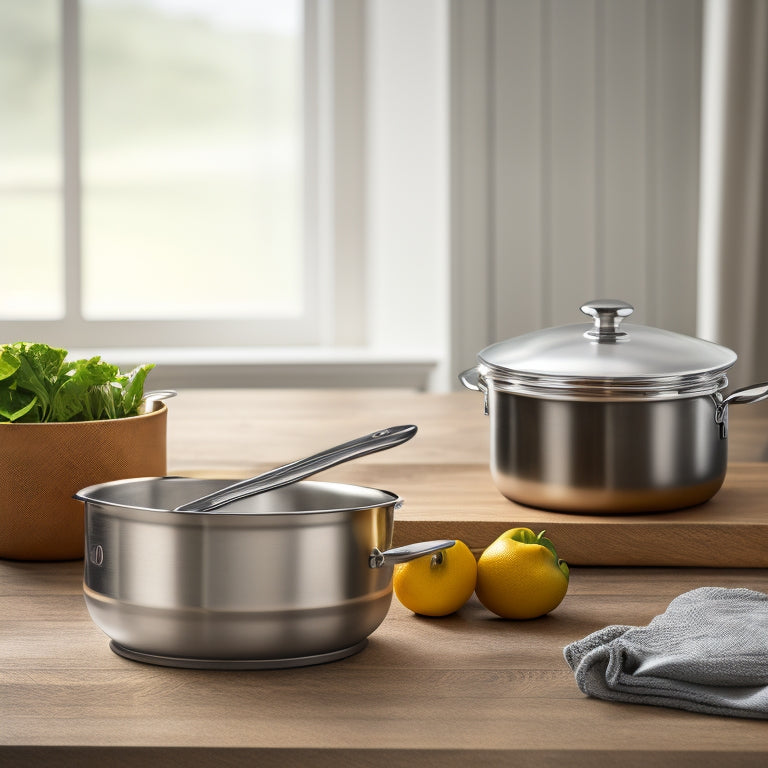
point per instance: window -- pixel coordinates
(152, 169)
(270, 208)
(30, 167)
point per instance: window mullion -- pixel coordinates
(335, 200)
(71, 152)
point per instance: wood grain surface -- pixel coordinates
(469, 689)
(244, 429)
(443, 474)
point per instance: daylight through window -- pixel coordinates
(186, 160)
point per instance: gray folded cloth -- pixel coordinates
(708, 652)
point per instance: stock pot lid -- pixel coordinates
(607, 357)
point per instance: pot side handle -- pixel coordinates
(471, 380)
(378, 559)
(752, 394)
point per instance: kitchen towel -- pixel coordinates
(708, 652)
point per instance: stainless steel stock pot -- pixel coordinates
(607, 417)
(295, 576)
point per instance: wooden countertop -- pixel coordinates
(468, 689)
(443, 475)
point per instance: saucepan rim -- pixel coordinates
(92, 495)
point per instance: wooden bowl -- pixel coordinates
(43, 465)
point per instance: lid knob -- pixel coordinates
(607, 314)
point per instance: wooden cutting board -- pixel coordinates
(730, 530)
(460, 501)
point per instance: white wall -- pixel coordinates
(407, 184)
(518, 157)
(575, 163)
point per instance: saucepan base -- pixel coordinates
(184, 663)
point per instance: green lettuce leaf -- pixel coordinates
(9, 363)
(133, 388)
(38, 384)
(77, 383)
(38, 369)
(15, 404)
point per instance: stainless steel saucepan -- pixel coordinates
(607, 417)
(298, 575)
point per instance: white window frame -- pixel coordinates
(73, 329)
(378, 236)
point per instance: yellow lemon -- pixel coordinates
(519, 576)
(438, 584)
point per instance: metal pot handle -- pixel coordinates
(471, 380)
(378, 559)
(147, 404)
(751, 394)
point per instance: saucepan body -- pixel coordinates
(283, 578)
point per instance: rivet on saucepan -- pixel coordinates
(437, 559)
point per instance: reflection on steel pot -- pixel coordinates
(607, 417)
(295, 576)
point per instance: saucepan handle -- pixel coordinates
(378, 559)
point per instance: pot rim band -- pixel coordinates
(561, 388)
